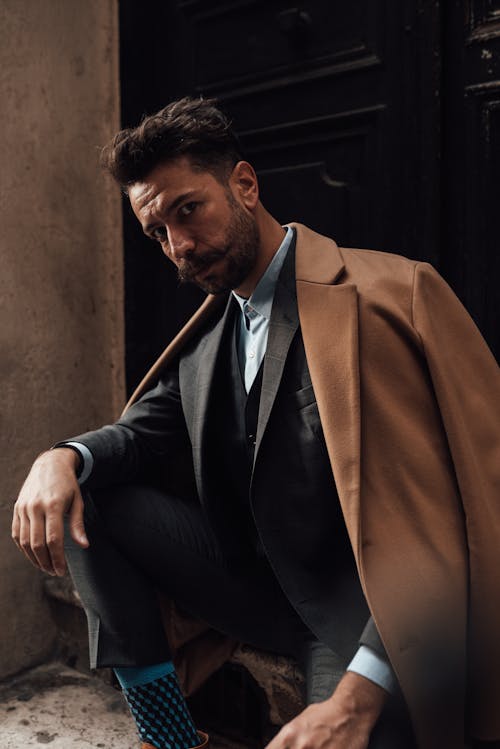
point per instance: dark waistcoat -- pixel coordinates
(283, 502)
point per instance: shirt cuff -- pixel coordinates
(372, 666)
(87, 459)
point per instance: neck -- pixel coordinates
(271, 235)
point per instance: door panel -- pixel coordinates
(250, 44)
(374, 121)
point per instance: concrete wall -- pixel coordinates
(61, 326)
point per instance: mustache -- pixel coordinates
(190, 266)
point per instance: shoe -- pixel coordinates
(203, 739)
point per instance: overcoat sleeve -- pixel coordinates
(466, 380)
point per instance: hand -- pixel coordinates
(344, 721)
(49, 493)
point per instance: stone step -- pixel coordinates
(57, 705)
(245, 702)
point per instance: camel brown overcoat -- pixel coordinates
(409, 399)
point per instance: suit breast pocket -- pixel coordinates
(303, 412)
(303, 397)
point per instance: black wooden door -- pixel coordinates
(330, 105)
(471, 165)
(373, 121)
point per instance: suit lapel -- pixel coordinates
(283, 324)
(208, 308)
(328, 315)
(197, 389)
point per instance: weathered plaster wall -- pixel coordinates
(61, 350)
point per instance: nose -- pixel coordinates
(180, 243)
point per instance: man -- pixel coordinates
(320, 443)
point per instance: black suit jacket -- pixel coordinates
(165, 435)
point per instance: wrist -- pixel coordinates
(65, 455)
(361, 698)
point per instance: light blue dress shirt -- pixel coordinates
(256, 312)
(252, 341)
(86, 459)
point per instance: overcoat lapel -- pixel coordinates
(328, 314)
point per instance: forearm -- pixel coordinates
(361, 699)
(109, 455)
(151, 436)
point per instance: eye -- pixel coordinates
(159, 234)
(188, 208)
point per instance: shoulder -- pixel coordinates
(365, 265)
(321, 259)
(385, 283)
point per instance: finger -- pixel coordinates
(38, 541)
(16, 525)
(54, 536)
(76, 524)
(24, 538)
(280, 740)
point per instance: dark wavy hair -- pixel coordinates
(190, 127)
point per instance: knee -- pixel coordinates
(113, 511)
(105, 516)
(100, 506)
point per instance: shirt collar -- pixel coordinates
(261, 301)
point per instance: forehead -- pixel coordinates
(166, 183)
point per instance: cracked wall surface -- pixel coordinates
(61, 317)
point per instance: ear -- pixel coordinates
(245, 185)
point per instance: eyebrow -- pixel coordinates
(178, 200)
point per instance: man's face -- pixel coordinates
(202, 225)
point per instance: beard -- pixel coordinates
(239, 252)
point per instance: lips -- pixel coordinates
(191, 269)
(206, 270)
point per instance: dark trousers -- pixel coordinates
(142, 541)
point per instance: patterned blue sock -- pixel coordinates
(158, 706)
